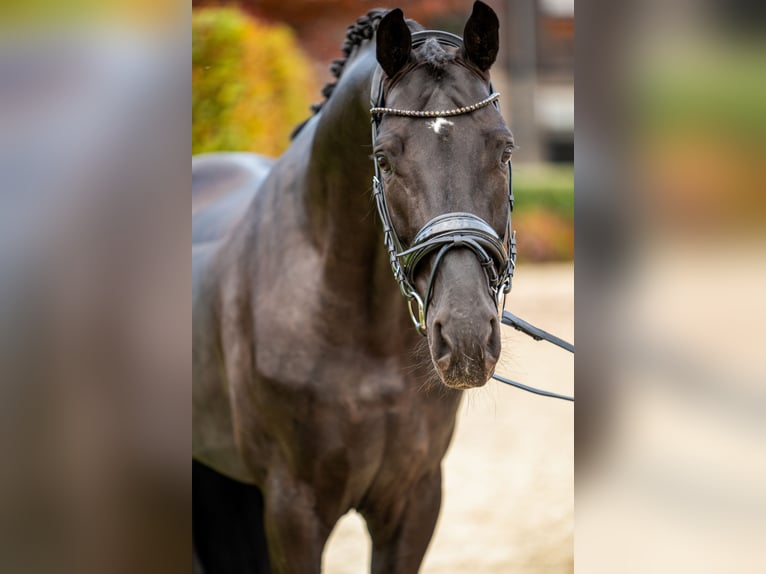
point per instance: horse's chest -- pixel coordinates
(341, 417)
(340, 394)
(347, 419)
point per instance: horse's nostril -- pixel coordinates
(440, 346)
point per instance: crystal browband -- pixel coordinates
(436, 114)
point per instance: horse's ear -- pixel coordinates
(393, 43)
(481, 39)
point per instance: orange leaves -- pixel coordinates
(250, 83)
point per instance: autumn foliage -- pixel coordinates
(251, 84)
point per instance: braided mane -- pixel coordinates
(357, 33)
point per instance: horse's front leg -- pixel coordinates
(296, 536)
(401, 530)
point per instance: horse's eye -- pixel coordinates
(507, 154)
(383, 163)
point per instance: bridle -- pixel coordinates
(438, 236)
(450, 230)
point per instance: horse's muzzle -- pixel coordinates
(465, 360)
(464, 329)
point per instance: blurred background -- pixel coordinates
(671, 275)
(670, 281)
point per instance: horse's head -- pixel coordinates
(455, 163)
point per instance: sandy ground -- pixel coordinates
(508, 490)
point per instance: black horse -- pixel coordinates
(313, 393)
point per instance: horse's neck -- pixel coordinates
(340, 170)
(355, 274)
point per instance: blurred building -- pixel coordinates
(536, 74)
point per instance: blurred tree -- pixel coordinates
(250, 83)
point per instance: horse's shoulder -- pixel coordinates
(223, 184)
(215, 175)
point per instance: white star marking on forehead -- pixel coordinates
(438, 124)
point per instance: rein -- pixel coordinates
(496, 255)
(538, 335)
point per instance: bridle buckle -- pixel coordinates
(418, 320)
